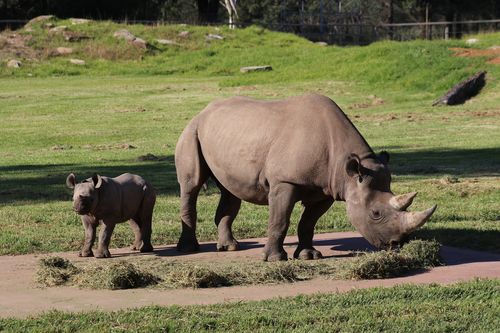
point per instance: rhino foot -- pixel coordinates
(102, 254)
(146, 248)
(84, 253)
(277, 256)
(231, 245)
(307, 254)
(188, 245)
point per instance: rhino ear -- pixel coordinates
(353, 166)
(97, 180)
(71, 181)
(384, 157)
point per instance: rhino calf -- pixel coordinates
(109, 201)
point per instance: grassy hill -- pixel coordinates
(410, 66)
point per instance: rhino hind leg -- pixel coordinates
(282, 198)
(228, 208)
(312, 212)
(192, 173)
(145, 219)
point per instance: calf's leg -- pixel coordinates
(312, 212)
(104, 240)
(146, 217)
(89, 224)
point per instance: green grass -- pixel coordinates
(464, 307)
(65, 119)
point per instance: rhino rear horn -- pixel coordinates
(414, 220)
(403, 201)
(71, 181)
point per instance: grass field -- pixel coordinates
(465, 307)
(124, 104)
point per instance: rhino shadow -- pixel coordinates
(47, 182)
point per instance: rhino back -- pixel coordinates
(249, 144)
(120, 198)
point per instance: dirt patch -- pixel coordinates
(493, 54)
(21, 298)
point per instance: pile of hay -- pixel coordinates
(55, 271)
(113, 275)
(417, 254)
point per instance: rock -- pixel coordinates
(74, 36)
(14, 63)
(471, 41)
(256, 69)
(494, 47)
(124, 34)
(184, 34)
(58, 29)
(166, 42)
(78, 20)
(48, 25)
(213, 36)
(127, 146)
(139, 42)
(463, 91)
(40, 18)
(63, 50)
(321, 43)
(78, 62)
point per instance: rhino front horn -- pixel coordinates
(403, 201)
(414, 220)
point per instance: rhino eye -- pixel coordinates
(375, 215)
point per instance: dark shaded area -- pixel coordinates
(464, 90)
(48, 181)
(484, 240)
(465, 162)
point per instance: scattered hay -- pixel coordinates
(55, 271)
(113, 275)
(417, 254)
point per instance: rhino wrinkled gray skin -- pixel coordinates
(109, 201)
(277, 153)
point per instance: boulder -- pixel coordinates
(471, 41)
(321, 43)
(40, 18)
(78, 20)
(124, 34)
(63, 50)
(166, 42)
(58, 29)
(71, 36)
(141, 43)
(78, 62)
(463, 91)
(184, 34)
(256, 69)
(213, 36)
(14, 63)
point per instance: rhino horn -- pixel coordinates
(414, 220)
(403, 201)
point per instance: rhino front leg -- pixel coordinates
(104, 240)
(228, 208)
(89, 225)
(146, 220)
(282, 198)
(312, 212)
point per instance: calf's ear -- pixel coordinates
(384, 157)
(97, 180)
(71, 181)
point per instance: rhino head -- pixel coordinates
(378, 214)
(85, 194)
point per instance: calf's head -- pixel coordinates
(372, 208)
(85, 194)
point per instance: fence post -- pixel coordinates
(446, 33)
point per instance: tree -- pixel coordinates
(232, 13)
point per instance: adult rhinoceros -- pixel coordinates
(277, 153)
